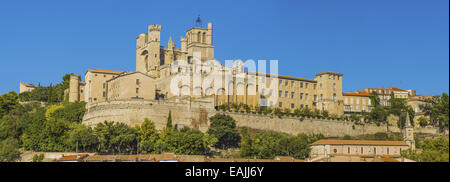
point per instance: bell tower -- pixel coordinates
(154, 34)
(199, 39)
(408, 133)
(148, 51)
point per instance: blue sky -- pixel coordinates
(374, 43)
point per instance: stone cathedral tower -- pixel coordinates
(154, 60)
(148, 51)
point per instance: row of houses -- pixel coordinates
(327, 150)
(360, 101)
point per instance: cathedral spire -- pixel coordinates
(170, 44)
(408, 121)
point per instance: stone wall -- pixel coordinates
(293, 125)
(133, 112)
(195, 114)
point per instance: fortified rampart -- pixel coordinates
(195, 114)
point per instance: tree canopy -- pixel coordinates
(223, 127)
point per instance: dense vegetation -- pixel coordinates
(438, 111)
(49, 94)
(57, 127)
(223, 127)
(430, 150)
(267, 145)
(46, 122)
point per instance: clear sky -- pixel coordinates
(374, 43)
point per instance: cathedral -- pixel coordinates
(169, 72)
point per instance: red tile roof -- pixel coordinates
(359, 142)
(73, 157)
(141, 157)
(389, 159)
(356, 93)
(29, 84)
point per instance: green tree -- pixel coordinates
(71, 112)
(115, 138)
(169, 120)
(375, 100)
(8, 102)
(437, 108)
(423, 121)
(223, 127)
(378, 114)
(187, 142)
(267, 145)
(49, 94)
(347, 137)
(81, 138)
(38, 158)
(433, 150)
(147, 137)
(9, 150)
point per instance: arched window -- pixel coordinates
(198, 37)
(204, 37)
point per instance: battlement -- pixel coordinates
(154, 28)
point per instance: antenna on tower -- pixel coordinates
(198, 22)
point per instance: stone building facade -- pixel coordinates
(25, 87)
(328, 147)
(357, 102)
(135, 85)
(154, 65)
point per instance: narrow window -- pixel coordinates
(348, 149)
(362, 150)
(204, 37)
